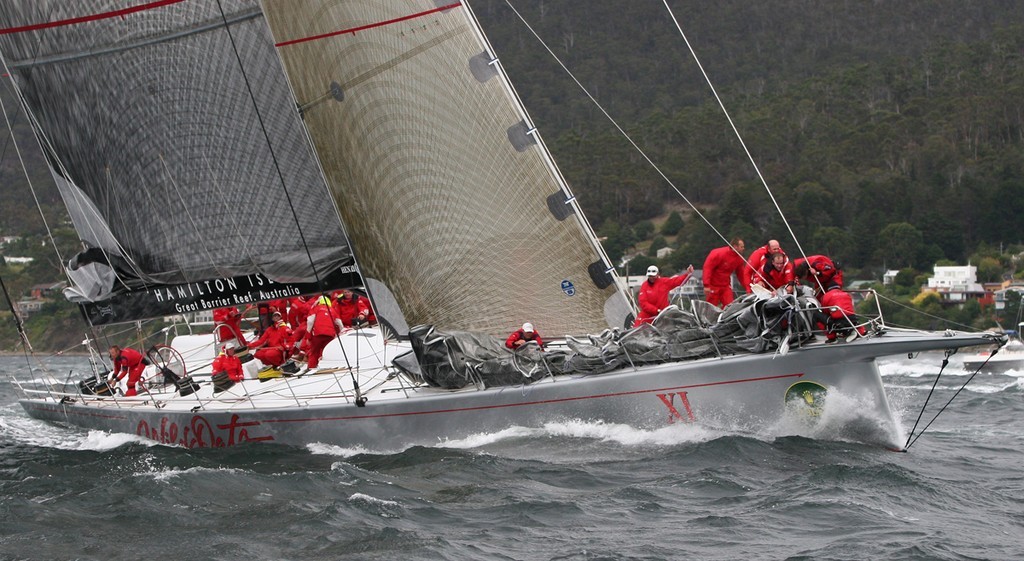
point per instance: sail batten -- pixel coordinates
(444, 211)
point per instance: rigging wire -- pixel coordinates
(613, 121)
(27, 345)
(21, 160)
(945, 361)
(735, 130)
(46, 146)
(270, 147)
(360, 400)
(76, 196)
(637, 147)
(922, 312)
(11, 140)
(732, 124)
(753, 163)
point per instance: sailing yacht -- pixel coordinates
(217, 154)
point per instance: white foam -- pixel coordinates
(45, 435)
(593, 430)
(169, 473)
(382, 507)
(333, 450)
(363, 497)
(841, 417)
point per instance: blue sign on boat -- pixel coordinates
(568, 288)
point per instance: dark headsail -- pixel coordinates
(177, 147)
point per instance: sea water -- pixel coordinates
(566, 491)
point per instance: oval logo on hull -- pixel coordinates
(807, 396)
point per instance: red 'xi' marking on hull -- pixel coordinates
(201, 433)
(673, 413)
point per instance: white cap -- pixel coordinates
(652, 271)
(528, 327)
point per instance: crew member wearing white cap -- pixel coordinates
(654, 293)
(522, 336)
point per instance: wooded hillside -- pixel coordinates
(890, 133)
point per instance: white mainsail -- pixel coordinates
(443, 189)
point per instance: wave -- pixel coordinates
(621, 434)
(24, 430)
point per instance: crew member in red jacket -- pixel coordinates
(654, 293)
(127, 362)
(819, 272)
(279, 305)
(298, 310)
(272, 346)
(719, 267)
(352, 309)
(323, 324)
(522, 336)
(228, 363)
(230, 330)
(777, 274)
(756, 261)
(838, 315)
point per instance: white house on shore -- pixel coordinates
(999, 297)
(956, 283)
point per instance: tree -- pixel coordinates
(1012, 312)
(814, 206)
(657, 243)
(899, 244)
(966, 314)
(643, 229)
(672, 226)
(906, 277)
(837, 243)
(989, 270)
(616, 240)
(638, 265)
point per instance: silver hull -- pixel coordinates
(738, 393)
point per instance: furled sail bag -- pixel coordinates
(453, 360)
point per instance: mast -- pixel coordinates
(17, 317)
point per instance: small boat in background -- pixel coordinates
(1009, 357)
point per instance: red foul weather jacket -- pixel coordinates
(720, 264)
(828, 273)
(520, 334)
(232, 365)
(654, 296)
(775, 278)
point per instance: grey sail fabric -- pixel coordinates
(158, 146)
(455, 360)
(442, 190)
